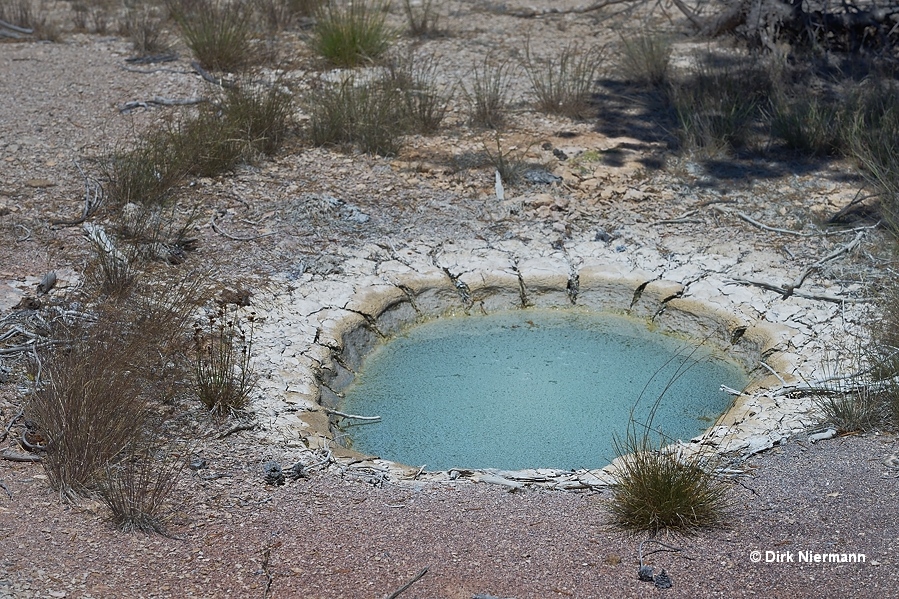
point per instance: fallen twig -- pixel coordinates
(159, 70)
(15, 456)
(154, 58)
(414, 579)
(845, 249)
(824, 297)
(218, 230)
(129, 107)
(329, 457)
(774, 372)
(745, 217)
(15, 349)
(25, 237)
(243, 425)
(11, 424)
(352, 416)
(683, 218)
(266, 554)
(93, 198)
(5, 488)
(208, 76)
(529, 13)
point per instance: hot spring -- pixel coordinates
(531, 389)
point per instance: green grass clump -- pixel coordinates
(564, 84)
(246, 121)
(646, 60)
(717, 105)
(370, 115)
(425, 103)
(220, 34)
(807, 124)
(352, 33)
(872, 138)
(144, 27)
(661, 488)
(656, 489)
(859, 409)
(261, 117)
(422, 19)
(147, 174)
(280, 14)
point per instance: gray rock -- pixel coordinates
(273, 474)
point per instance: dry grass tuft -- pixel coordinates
(564, 84)
(487, 96)
(137, 487)
(370, 115)
(97, 383)
(224, 376)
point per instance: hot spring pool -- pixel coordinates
(530, 389)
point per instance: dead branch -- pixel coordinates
(413, 580)
(845, 249)
(129, 107)
(530, 13)
(93, 198)
(824, 297)
(14, 31)
(745, 217)
(218, 230)
(5, 488)
(208, 76)
(352, 416)
(11, 424)
(243, 425)
(329, 457)
(15, 456)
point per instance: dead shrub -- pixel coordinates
(99, 380)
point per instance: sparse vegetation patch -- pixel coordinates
(352, 33)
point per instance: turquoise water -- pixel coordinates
(528, 389)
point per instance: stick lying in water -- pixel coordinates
(353, 416)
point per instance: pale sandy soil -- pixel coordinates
(330, 537)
